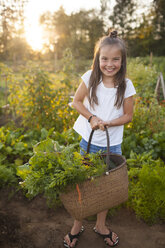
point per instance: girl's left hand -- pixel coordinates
(103, 124)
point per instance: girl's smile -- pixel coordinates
(110, 60)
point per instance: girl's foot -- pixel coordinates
(71, 239)
(109, 237)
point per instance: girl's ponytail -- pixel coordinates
(112, 34)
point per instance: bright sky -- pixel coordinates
(35, 8)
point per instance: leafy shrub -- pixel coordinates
(148, 115)
(6, 76)
(142, 142)
(143, 77)
(16, 147)
(156, 62)
(66, 137)
(35, 99)
(7, 176)
(147, 187)
(146, 131)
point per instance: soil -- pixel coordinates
(31, 224)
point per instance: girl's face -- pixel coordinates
(110, 60)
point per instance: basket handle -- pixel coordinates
(108, 145)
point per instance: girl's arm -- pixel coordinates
(125, 118)
(80, 94)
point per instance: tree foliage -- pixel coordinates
(123, 16)
(12, 29)
(159, 26)
(78, 31)
(159, 19)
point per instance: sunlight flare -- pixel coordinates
(34, 36)
(34, 32)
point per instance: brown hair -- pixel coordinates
(111, 39)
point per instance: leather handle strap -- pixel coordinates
(108, 145)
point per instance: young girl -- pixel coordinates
(104, 98)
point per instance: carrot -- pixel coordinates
(79, 193)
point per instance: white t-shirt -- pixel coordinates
(106, 111)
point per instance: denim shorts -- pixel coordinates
(93, 148)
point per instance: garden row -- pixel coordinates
(42, 155)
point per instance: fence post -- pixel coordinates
(160, 82)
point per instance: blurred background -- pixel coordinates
(45, 47)
(33, 29)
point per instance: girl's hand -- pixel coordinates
(95, 122)
(103, 124)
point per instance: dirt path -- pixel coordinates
(31, 224)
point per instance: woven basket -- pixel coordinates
(104, 192)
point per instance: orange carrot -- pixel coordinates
(79, 193)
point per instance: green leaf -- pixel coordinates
(9, 149)
(44, 134)
(19, 147)
(44, 146)
(18, 161)
(23, 170)
(1, 145)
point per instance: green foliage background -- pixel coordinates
(80, 30)
(39, 93)
(41, 112)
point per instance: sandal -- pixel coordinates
(105, 236)
(72, 237)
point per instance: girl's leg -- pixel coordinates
(102, 229)
(101, 217)
(77, 225)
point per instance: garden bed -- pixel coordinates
(31, 224)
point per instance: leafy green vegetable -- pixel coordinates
(53, 168)
(147, 187)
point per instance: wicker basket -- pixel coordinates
(104, 192)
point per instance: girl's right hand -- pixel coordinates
(95, 122)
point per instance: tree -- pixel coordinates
(159, 19)
(103, 7)
(122, 17)
(141, 43)
(11, 23)
(159, 24)
(150, 34)
(78, 31)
